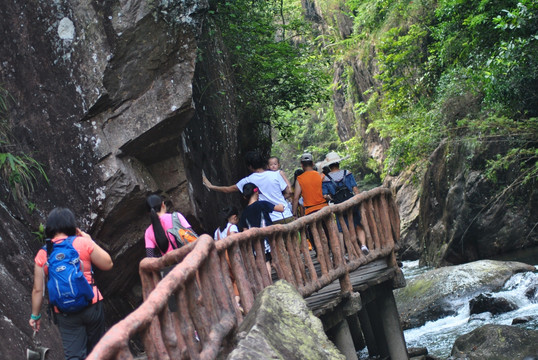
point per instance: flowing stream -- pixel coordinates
(439, 336)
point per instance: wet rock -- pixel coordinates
(266, 336)
(413, 352)
(480, 317)
(429, 296)
(522, 320)
(496, 342)
(489, 303)
(532, 292)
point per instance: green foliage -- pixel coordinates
(473, 60)
(273, 61)
(19, 170)
(521, 137)
(313, 131)
(466, 70)
(40, 233)
(358, 157)
(512, 69)
(401, 53)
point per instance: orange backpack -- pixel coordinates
(181, 234)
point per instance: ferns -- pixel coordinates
(19, 170)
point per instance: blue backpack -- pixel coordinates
(68, 289)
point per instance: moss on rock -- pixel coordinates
(280, 326)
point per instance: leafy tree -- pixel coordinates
(273, 60)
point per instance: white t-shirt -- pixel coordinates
(230, 228)
(271, 185)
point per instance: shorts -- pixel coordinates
(356, 219)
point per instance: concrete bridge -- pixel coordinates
(191, 312)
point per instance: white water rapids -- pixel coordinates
(439, 336)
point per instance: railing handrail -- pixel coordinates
(208, 273)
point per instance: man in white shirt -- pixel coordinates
(271, 184)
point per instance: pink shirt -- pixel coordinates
(166, 222)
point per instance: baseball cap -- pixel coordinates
(306, 157)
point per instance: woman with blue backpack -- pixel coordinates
(67, 261)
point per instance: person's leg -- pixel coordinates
(268, 259)
(362, 239)
(94, 318)
(73, 333)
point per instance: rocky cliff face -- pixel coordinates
(464, 216)
(116, 99)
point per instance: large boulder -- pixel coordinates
(280, 326)
(497, 342)
(429, 296)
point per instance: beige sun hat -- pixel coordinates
(333, 158)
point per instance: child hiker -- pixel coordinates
(229, 221)
(256, 214)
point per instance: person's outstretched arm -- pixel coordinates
(224, 189)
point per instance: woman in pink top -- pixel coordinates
(158, 240)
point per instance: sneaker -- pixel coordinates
(365, 250)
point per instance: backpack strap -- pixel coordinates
(175, 224)
(343, 179)
(330, 178)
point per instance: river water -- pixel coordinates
(439, 336)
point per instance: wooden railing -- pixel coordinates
(192, 313)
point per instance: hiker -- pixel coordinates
(230, 219)
(309, 186)
(337, 177)
(81, 330)
(273, 164)
(271, 184)
(157, 238)
(257, 214)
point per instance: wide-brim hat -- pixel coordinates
(332, 158)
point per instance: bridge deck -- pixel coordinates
(365, 276)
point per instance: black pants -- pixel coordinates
(81, 331)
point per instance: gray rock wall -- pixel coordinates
(466, 217)
(116, 100)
